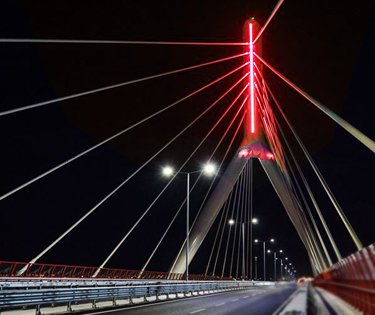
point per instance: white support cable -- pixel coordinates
(131, 176)
(251, 218)
(279, 3)
(320, 177)
(230, 227)
(224, 211)
(222, 232)
(298, 218)
(200, 209)
(235, 226)
(247, 222)
(129, 42)
(241, 209)
(179, 170)
(116, 135)
(109, 87)
(303, 196)
(321, 217)
(234, 202)
(192, 188)
(300, 222)
(361, 137)
(212, 183)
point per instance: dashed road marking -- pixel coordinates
(234, 300)
(245, 297)
(197, 311)
(220, 304)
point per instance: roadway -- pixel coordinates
(257, 301)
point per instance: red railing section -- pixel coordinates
(353, 280)
(37, 270)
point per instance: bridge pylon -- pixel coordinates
(262, 144)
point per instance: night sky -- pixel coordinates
(325, 47)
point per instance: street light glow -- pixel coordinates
(268, 250)
(231, 222)
(281, 250)
(256, 240)
(167, 171)
(209, 169)
(272, 240)
(254, 221)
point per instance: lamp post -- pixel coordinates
(232, 222)
(281, 268)
(264, 254)
(256, 267)
(274, 260)
(168, 171)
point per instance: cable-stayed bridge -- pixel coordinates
(249, 127)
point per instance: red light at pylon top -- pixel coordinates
(251, 71)
(244, 153)
(270, 156)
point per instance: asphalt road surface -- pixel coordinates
(257, 301)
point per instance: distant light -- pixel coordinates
(255, 221)
(167, 171)
(209, 169)
(286, 258)
(256, 241)
(272, 240)
(281, 250)
(290, 264)
(268, 250)
(231, 222)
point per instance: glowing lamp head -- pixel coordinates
(209, 169)
(272, 240)
(268, 251)
(281, 250)
(254, 221)
(231, 222)
(167, 171)
(256, 240)
(286, 258)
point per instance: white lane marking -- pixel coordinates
(245, 297)
(197, 311)
(220, 304)
(254, 294)
(235, 300)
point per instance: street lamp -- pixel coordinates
(232, 222)
(264, 254)
(274, 260)
(168, 171)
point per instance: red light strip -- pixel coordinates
(251, 70)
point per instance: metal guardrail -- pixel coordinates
(11, 298)
(37, 270)
(352, 279)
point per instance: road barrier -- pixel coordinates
(37, 270)
(353, 280)
(29, 294)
